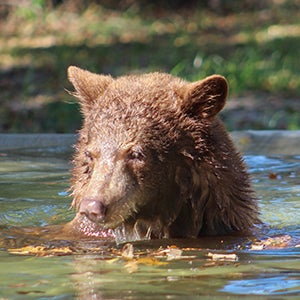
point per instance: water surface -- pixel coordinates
(33, 185)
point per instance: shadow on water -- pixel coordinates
(33, 196)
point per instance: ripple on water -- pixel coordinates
(33, 186)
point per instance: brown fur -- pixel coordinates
(153, 159)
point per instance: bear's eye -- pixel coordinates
(136, 155)
(87, 163)
(88, 154)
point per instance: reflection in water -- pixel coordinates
(33, 186)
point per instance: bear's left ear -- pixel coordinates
(204, 98)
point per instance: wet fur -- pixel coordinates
(154, 151)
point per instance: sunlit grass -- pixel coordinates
(257, 51)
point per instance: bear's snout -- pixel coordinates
(94, 209)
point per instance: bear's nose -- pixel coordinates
(94, 209)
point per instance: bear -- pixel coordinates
(153, 159)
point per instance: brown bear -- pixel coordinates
(153, 160)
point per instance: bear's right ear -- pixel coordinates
(204, 98)
(88, 86)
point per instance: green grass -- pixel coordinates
(258, 52)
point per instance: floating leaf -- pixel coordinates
(222, 256)
(150, 261)
(278, 242)
(171, 253)
(133, 265)
(274, 176)
(41, 251)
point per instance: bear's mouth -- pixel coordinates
(119, 213)
(91, 229)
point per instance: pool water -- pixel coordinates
(34, 184)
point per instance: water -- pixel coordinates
(33, 186)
